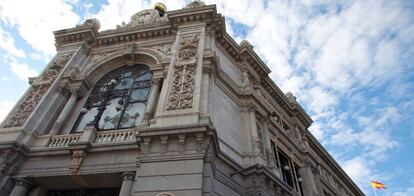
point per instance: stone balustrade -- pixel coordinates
(63, 140)
(115, 136)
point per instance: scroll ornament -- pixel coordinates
(182, 89)
(39, 88)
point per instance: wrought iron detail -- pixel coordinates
(118, 99)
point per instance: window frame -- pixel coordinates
(139, 70)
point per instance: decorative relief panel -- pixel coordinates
(77, 159)
(144, 18)
(188, 47)
(38, 89)
(164, 49)
(182, 89)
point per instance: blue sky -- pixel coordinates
(350, 64)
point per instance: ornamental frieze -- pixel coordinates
(36, 92)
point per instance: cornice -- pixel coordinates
(332, 164)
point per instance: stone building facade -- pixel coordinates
(161, 106)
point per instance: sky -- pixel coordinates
(349, 63)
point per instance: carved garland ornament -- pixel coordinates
(37, 91)
(182, 89)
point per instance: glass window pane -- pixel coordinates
(145, 76)
(124, 83)
(111, 115)
(86, 118)
(142, 84)
(139, 94)
(133, 115)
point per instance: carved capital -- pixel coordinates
(156, 81)
(128, 176)
(24, 182)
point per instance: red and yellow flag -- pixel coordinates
(377, 185)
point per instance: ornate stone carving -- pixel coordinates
(101, 55)
(164, 49)
(144, 18)
(259, 141)
(146, 145)
(181, 142)
(194, 4)
(92, 22)
(164, 144)
(200, 141)
(188, 47)
(39, 88)
(128, 176)
(182, 89)
(77, 159)
(291, 98)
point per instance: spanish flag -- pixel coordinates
(377, 185)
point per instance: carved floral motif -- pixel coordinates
(182, 90)
(188, 47)
(39, 88)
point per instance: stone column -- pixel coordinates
(127, 183)
(21, 187)
(64, 113)
(155, 88)
(308, 183)
(253, 130)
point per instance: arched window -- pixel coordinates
(118, 99)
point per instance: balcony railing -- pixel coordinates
(63, 140)
(115, 136)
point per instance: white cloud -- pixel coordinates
(22, 70)
(35, 21)
(358, 170)
(7, 44)
(326, 52)
(5, 107)
(408, 192)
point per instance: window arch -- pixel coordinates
(117, 100)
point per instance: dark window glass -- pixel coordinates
(286, 168)
(122, 104)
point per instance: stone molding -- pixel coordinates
(187, 140)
